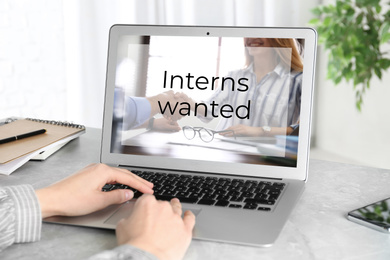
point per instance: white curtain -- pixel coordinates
(87, 22)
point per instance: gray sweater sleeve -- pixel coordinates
(20, 215)
(21, 221)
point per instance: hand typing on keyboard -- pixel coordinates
(81, 193)
(157, 227)
(154, 226)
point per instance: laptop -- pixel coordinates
(210, 116)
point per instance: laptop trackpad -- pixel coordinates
(125, 210)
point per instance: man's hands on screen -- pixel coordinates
(159, 104)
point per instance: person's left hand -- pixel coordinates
(243, 130)
(81, 193)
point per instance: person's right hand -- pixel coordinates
(157, 227)
(165, 125)
(159, 101)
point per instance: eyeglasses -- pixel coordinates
(207, 135)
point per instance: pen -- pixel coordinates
(17, 137)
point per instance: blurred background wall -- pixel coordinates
(53, 62)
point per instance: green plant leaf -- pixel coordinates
(371, 215)
(317, 11)
(378, 210)
(384, 205)
(378, 8)
(327, 21)
(314, 21)
(352, 33)
(385, 38)
(378, 72)
(359, 18)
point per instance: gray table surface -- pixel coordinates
(317, 228)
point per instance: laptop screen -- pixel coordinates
(224, 99)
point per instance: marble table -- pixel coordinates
(317, 229)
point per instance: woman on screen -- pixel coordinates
(273, 74)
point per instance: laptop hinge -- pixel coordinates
(197, 172)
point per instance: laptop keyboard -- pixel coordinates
(213, 191)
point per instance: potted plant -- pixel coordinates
(354, 33)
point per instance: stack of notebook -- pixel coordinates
(33, 139)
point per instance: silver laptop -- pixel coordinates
(210, 115)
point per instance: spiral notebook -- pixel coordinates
(14, 154)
